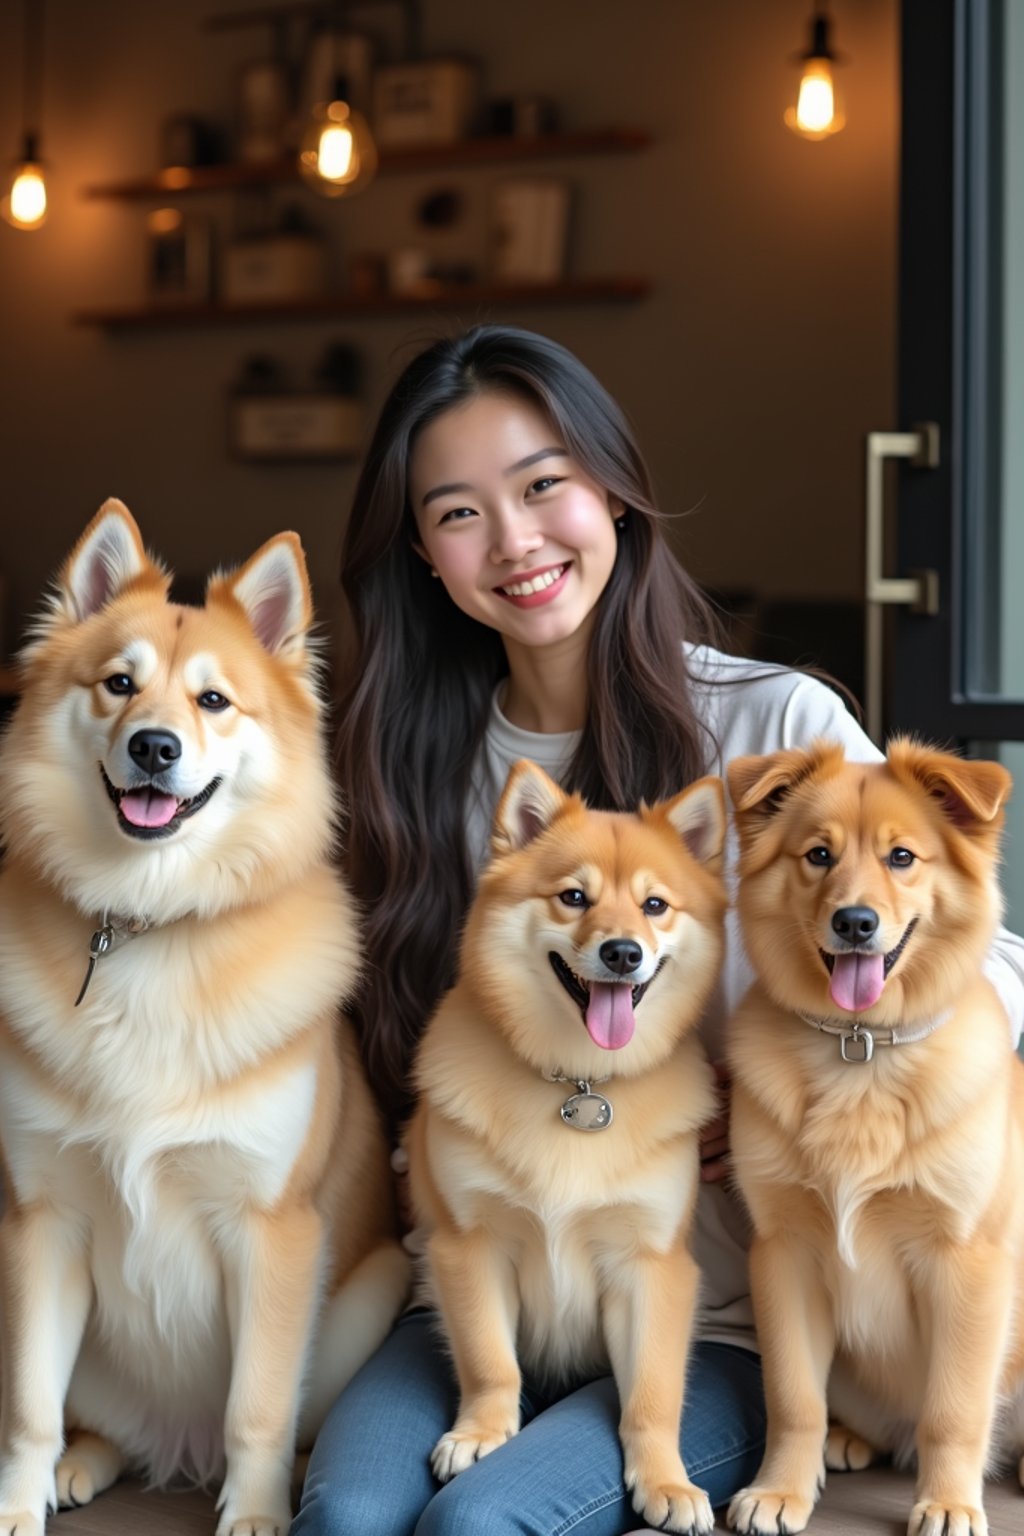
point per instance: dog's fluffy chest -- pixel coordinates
(571, 1231)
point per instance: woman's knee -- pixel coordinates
(335, 1508)
(470, 1506)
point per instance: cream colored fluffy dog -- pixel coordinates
(554, 1156)
(196, 1183)
(878, 1128)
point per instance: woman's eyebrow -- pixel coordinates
(459, 486)
(535, 458)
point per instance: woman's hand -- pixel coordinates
(714, 1138)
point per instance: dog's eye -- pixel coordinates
(820, 857)
(575, 898)
(901, 858)
(120, 683)
(212, 700)
(654, 906)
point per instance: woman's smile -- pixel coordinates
(534, 588)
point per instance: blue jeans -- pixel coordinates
(369, 1474)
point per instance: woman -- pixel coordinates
(513, 597)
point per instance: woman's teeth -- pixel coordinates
(524, 588)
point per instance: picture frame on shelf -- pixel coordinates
(179, 265)
(529, 229)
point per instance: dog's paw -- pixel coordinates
(764, 1512)
(253, 1525)
(74, 1483)
(847, 1452)
(937, 1517)
(459, 1448)
(673, 1507)
(22, 1524)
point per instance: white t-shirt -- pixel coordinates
(749, 707)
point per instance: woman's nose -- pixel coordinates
(515, 535)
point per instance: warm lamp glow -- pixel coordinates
(24, 203)
(817, 112)
(24, 207)
(338, 154)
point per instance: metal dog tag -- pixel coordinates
(858, 1046)
(586, 1111)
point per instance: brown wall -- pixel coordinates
(752, 373)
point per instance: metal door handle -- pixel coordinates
(919, 591)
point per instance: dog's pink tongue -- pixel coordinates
(148, 808)
(609, 1017)
(857, 981)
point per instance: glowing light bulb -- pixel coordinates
(815, 107)
(337, 155)
(24, 207)
(817, 112)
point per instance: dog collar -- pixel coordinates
(113, 932)
(857, 1041)
(584, 1110)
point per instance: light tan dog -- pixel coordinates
(196, 1182)
(878, 1128)
(554, 1157)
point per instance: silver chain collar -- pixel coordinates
(857, 1041)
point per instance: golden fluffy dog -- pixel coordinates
(554, 1157)
(878, 1128)
(196, 1183)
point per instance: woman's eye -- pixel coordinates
(574, 898)
(212, 700)
(119, 683)
(901, 858)
(655, 905)
(545, 483)
(457, 515)
(820, 857)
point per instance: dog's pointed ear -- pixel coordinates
(529, 804)
(107, 558)
(970, 794)
(698, 815)
(759, 785)
(272, 588)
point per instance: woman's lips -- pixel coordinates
(544, 585)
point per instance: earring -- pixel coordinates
(432, 571)
(620, 522)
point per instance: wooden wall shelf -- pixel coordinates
(467, 297)
(469, 152)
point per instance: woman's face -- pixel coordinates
(521, 538)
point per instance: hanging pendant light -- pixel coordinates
(817, 112)
(337, 155)
(24, 202)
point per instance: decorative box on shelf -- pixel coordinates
(431, 101)
(269, 421)
(272, 268)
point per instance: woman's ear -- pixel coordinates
(419, 550)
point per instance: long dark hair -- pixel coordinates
(418, 688)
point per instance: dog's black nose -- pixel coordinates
(855, 924)
(154, 750)
(621, 955)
